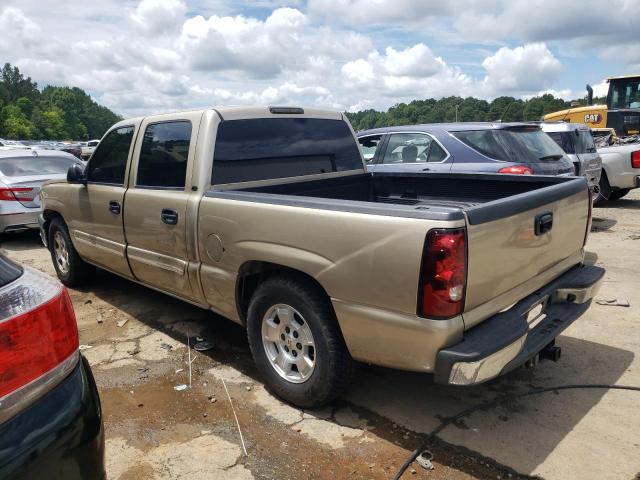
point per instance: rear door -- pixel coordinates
(96, 208)
(413, 152)
(155, 220)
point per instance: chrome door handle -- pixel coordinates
(169, 216)
(114, 207)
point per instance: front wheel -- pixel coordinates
(71, 269)
(296, 342)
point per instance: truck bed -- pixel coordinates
(483, 197)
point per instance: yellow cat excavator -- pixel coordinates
(621, 113)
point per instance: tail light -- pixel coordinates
(15, 194)
(517, 170)
(635, 159)
(38, 339)
(443, 274)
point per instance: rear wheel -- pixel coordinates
(71, 269)
(296, 342)
(618, 194)
(604, 193)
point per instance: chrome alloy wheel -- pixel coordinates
(288, 343)
(61, 253)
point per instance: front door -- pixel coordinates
(95, 223)
(156, 205)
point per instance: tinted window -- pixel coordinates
(109, 161)
(369, 145)
(564, 141)
(584, 142)
(520, 144)
(260, 149)
(19, 166)
(164, 154)
(413, 148)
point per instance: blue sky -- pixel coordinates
(143, 56)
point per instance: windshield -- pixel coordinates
(625, 94)
(25, 166)
(512, 145)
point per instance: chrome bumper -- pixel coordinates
(508, 339)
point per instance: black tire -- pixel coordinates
(334, 367)
(604, 193)
(618, 194)
(78, 272)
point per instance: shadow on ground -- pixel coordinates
(520, 433)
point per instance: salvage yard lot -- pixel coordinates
(154, 431)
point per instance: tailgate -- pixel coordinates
(508, 259)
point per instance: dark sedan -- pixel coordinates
(50, 417)
(515, 148)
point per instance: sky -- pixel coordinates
(149, 56)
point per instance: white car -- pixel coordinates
(87, 150)
(620, 170)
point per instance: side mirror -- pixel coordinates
(75, 174)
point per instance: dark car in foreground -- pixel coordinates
(50, 417)
(515, 148)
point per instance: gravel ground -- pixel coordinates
(138, 351)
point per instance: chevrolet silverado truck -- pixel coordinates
(267, 216)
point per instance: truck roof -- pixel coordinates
(238, 112)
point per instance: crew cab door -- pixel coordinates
(155, 220)
(412, 152)
(95, 221)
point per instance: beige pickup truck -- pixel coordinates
(267, 216)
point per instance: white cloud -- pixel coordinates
(158, 16)
(519, 70)
(140, 56)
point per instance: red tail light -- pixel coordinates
(444, 274)
(38, 338)
(635, 159)
(517, 170)
(15, 194)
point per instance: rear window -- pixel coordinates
(266, 148)
(578, 141)
(512, 145)
(23, 166)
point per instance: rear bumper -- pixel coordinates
(13, 222)
(59, 437)
(506, 340)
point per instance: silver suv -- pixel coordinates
(577, 142)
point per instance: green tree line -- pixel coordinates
(506, 109)
(53, 113)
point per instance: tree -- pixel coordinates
(55, 113)
(16, 124)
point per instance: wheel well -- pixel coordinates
(49, 215)
(253, 273)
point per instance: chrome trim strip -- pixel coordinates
(157, 260)
(99, 242)
(18, 400)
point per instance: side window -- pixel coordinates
(164, 154)
(109, 161)
(436, 153)
(369, 146)
(409, 148)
